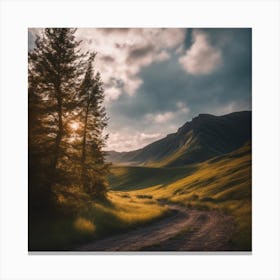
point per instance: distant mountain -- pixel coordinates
(204, 137)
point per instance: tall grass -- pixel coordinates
(222, 184)
(100, 218)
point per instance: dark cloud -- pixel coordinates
(166, 84)
(115, 30)
(152, 97)
(113, 82)
(188, 39)
(139, 52)
(119, 46)
(107, 59)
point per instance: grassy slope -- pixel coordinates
(223, 183)
(118, 213)
(138, 177)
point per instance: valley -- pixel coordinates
(196, 197)
(202, 205)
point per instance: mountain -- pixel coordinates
(204, 137)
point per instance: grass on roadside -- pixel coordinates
(100, 218)
(222, 184)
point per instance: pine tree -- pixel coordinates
(55, 72)
(93, 139)
(66, 120)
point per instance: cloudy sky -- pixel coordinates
(157, 79)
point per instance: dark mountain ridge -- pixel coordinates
(204, 137)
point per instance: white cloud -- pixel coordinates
(122, 53)
(132, 84)
(163, 55)
(168, 116)
(35, 31)
(182, 107)
(154, 127)
(112, 93)
(170, 37)
(201, 58)
(147, 136)
(160, 118)
(127, 141)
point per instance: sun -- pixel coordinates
(74, 126)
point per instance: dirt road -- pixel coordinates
(186, 230)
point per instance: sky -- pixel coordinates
(155, 80)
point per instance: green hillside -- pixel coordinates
(222, 183)
(139, 177)
(137, 197)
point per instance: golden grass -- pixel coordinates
(128, 211)
(118, 213)
(84, 225)
(227, 179)
(222, 184)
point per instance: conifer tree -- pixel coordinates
(55, 71)
(66, 120)
(93, 139)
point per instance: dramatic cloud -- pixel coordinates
(168, 97)
(201, 58)
(124, 52)
(158, 79)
